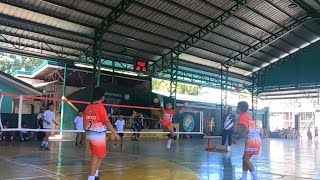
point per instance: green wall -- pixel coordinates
(299, 68)
(7, 101)
(69, 114)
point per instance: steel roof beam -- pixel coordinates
(186, 44)
(139, 40)
(133, 48)
(254, 25)
(179, 19)
(200, 14)
(41, 40)
(24, 5)
(99, 32)
(317, 1)
(214, 70)
(148, 32)
(40, 56)
(33, 30)
(176, 18)
(45, 26)
(113, 16)
(307, 8)
(37, 46)
(281, 61)
(165, 37)
(260, 45)
(64, 5)
(273, 21)
(253, 37)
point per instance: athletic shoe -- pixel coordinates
(115, 146)
(228, 148)
(76, 144)
(122, 147)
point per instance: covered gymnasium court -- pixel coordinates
(263, 51)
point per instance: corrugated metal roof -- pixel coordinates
(224, 41)
(215, 48)
(206, 54)
(161, 18)
(148, 29)
(43, 19)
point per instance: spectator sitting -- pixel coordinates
(24, 135)
(40, 134)
(6, 135)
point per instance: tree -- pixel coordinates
(164, 86)
(10, 63)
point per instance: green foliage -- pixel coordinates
(160, 85)
(9, 63)
(164, 86)
(187, 89)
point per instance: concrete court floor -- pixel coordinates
(150, 160)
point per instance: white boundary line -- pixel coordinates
(74, 131)
(50, 173)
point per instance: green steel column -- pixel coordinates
(254, 94)
(97, 48)
(224, 96)
(63, 96)
(113, 65)
(174, 77)
(98, 72)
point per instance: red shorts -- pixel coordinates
(166, 123)
(97, 143)
(252, 146)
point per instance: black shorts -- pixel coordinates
(120, 134)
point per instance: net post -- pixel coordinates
(201, 114)
(20, 112)
(1, 98)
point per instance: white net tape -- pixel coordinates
(75, 131)
(149, 131)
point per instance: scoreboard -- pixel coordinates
(141, 66)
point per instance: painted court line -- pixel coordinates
(87, 172)
(32, 177)
(35, 167)
(90, 160)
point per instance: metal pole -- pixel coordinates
(64, 88)
(113, 65)
(20, 112)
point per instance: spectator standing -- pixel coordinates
(228, 123)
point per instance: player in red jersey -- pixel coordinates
(166, 119)
(96, 118)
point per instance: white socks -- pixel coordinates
(254, 175)
(94, 177)
(91, 178)
(169, 143)
(244, 175)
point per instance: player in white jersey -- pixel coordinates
(48, 120)
(120, 123)
(78, 125)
